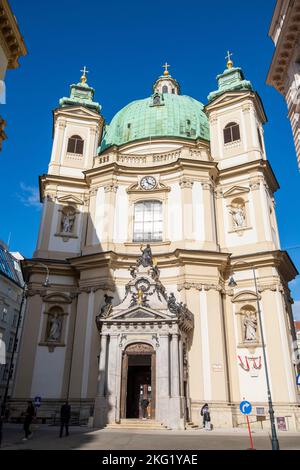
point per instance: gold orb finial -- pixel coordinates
(166, 71)
(83, 77)
(229, 61)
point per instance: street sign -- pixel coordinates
(298, 379)
(245, 407)
(37, 401)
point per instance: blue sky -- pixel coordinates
(124, 45)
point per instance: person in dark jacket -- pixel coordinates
(205, 413)
(144, 405)
(29, 415)
(65, 415)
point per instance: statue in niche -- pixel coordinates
(146, 257)
(54, 327)
(250, 326)
(68, 220)
(107, 307)
(238, 215)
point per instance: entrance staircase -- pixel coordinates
(132, 423)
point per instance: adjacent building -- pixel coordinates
(284, 73)
(12, 47)
(11, 291)
(144, 222)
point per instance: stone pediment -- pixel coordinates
(236, 191)
(70, 198)
(82, 111)
(228, 96)
(139, 312)
(57, 298)
(245, 296)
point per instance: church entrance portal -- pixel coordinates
(138, 381)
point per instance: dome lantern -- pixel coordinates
(166, 83)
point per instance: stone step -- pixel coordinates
(191, 425)
(137, 424)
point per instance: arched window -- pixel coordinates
(148, 223)
(165, 89)
(75, 144)
(156, 99)
(231, 132)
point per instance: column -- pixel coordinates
(209, 216)
(175, 365)
(110, 191)
(162, 379)
(102, 366)
(91, 214)
(186, 185)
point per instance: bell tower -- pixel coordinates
(236, 117)
(77, 131)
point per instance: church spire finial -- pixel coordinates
(166, 71)
(229, 61)
(83, 77)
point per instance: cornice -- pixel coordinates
(123, 260)
(10, 36)
(254, 166)
(277, 258)
(179, 165)
(287, 40)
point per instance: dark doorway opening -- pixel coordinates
(138, 384)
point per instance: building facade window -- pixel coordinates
(148, 223)
(165, 89)
(231, 132)
(75, 145)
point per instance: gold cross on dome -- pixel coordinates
(83, 76)
(229, 61)
(165, 66)
(229, 54)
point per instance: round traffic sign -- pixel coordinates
(245, 407)
(37, 401)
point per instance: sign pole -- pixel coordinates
(250, 434)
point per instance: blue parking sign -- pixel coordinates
(298, 379)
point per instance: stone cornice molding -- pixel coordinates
(111, 188)
(200, 287)
(261, 168)
(185, 182)
(286, 43)
(180, 165)
(10, 36)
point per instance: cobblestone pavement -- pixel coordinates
(82, 438)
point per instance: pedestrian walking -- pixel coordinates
(144, 405)
(206, 416)
(65, 415)
(29, 415)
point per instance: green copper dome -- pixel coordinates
(161, 115)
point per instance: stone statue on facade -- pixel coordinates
(68, 222)
(146, 257)
(250, 327)
(54, 327)
(238, 216)
(107, 307)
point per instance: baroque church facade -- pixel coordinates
(145, 222)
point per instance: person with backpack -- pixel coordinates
(206, 416)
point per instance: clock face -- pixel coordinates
(148, 182)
